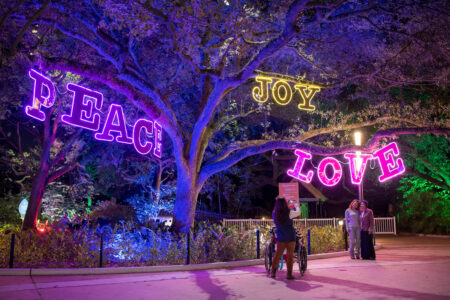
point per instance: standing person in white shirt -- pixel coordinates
(352, 224)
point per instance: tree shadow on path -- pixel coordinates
(372, 288)
(213, 286)
(298, 284)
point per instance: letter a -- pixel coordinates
(115, 122)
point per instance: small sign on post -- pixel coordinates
(289, 191)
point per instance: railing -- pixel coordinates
(382, 225)
(385, 225)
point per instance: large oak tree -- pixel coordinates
(184, 63)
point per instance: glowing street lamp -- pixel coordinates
(357, 137)
(23, 208)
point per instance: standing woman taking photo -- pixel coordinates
(367, 226)
(285, 235)
(352, 224)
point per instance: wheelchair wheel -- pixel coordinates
(268, 256)
(302, 259)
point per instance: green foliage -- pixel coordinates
(51, 250)
(214, 243)
(426, 212)
(325, 239)
(425, 205)
(60, 198)
(9, 212)
(112, 213)
(125, 245)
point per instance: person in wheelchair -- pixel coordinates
(286, 235)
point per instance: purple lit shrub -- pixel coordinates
(125, 245)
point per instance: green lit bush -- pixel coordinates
(9, 214)
(425, 212)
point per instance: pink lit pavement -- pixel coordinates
(406, 268)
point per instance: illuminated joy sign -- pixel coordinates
(390, 166)
(282, 92)
(85, 113)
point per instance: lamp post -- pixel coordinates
(357, 137)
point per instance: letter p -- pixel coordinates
(47, 100)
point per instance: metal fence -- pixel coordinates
(382, 225)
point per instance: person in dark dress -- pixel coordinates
(285, 236)
(367, 227)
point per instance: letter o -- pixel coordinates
(337, 171)
(281, 84)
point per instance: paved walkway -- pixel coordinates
(406, 268)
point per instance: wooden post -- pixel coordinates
(11, 252)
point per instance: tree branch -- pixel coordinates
(91, 44)
(127, 85)
(67, 147)
(272, 47)
(222, 86)
(58, 173)
(25, 27)
(430, 179)
(313, 133)
(10, 11)
(256, 147)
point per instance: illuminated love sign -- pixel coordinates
(390, 166)
(282, 92)
(85, 113)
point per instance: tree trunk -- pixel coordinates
(39, 182)
(185, 201)
(158, 184)
(37, 192)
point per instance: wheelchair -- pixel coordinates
(299, 253)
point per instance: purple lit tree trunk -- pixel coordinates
(37, 192)
(186, 200)
(49, 169)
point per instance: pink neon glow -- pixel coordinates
(81, 114)
(146, 147)
(337, 171)
(296, 171)
(39, 99)
(389, 167)
(158, 139)
(115, 122)
(357, 175)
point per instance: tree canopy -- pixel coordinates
(191, 66)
